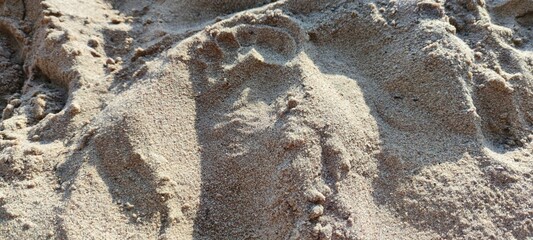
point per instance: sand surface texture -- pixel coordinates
(254, 119)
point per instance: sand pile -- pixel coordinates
(290, 119)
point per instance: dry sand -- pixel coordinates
(253, 119)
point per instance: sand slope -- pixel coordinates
(292, 119)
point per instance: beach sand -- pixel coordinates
(254, 119)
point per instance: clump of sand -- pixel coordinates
(290, 119)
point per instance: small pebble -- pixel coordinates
(46, 20)
(110, 61)
(27, 226)
(292, 103)
(15, 102)
(95, 54)
(45, 5)
(35, 138)
(93, 43)
(128, 206)
(116, 20)
(315, 196)
(75, 108)
(8, 111)
(38, 107)
(316, 212)
(139, 51)
(76, 52)
(518, 41)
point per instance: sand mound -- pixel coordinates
(292, 119)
